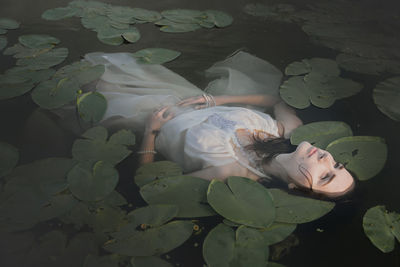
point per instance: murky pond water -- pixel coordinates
(336, 239)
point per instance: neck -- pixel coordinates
(276, 169)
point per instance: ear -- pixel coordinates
(291, 186)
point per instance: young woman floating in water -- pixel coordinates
(209, 139)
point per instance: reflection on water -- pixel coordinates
(334, 240)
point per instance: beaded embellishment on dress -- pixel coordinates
(221, 122)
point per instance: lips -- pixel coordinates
(312, 151)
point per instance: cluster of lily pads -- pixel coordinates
(5, 25)
(80, 191)
(365, 156)
(113, 24)
(316, 81)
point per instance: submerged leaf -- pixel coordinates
(321, 133)
(243, 201)
(219, 18)
(8, 24)
(153, 241)
(38, 41)
(187, 16)
(156, 170)
(59, 13)
(387, 97)
(81, 71)
(363, 155)
(146, 15)
(188, 193)
(295, 209)
(3, 42)
(382, 227)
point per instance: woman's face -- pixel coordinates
(316, 169)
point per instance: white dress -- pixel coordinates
(195, 139)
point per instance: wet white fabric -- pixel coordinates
(195, 139)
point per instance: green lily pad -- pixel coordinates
(363, 155)
(152, 215)
(9, 157)
(123, 137)
(20, 51)
(323, 66)
(294, 92)
(321, 133)
(92, 183)
(45, 60)
(179, 28)
(298, 68)
(152, 241)
(107, 220)
(219, 18)
(278, 12)
(147, 217)
(8, 24)
(3, 42)
(366, 65)
(149, 262)
(156, 170)
(387, 96)
(10, 90)
(3, 31)
(382, 228)
(38, 40)
(146, 15)
(187, 16)
(59, 13)
(95, 22)
(57, 206)
(96, 148)
(121, 14)
(155, 55)
(242, 201)
(277, 232)
(222, 247)
(188, 193)
(113, 36)
(295, 209)
(34, 76)
(114, 199)
(82, 71)
(92, 106)
(55, 93)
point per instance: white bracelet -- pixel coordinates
(213, 100)
(147, 152)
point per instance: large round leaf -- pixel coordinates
(243, 201)
(38, 40)
(153, 241)
(146, 15)
(387, 97)
(9, 157)
(382, 227)
(59, 13)
(363, 155)
(8, 24)
(219, 18)
(295, 209)
(92, 106)
(155, 55)
(95, 22)
(294, 92)
(92, 183)
(182, 15)
(10, 90)
(3, 42)
(147, 217)
(55, 93)
(113, 36)
(96, 148)
(156, 170)
(121, 14)
(149, 262)
(321, 133)
(82, 71)
(34, 76)
(44, 60)
(277, 232)
(298, 68)
(174, 27)
(188, 193)
(222, 247)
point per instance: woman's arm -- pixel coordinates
(256, 100)
(153, 126)
(287, 117)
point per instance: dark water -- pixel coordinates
(342, 242)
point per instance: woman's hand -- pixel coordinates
(201, 101)
(158, 118)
